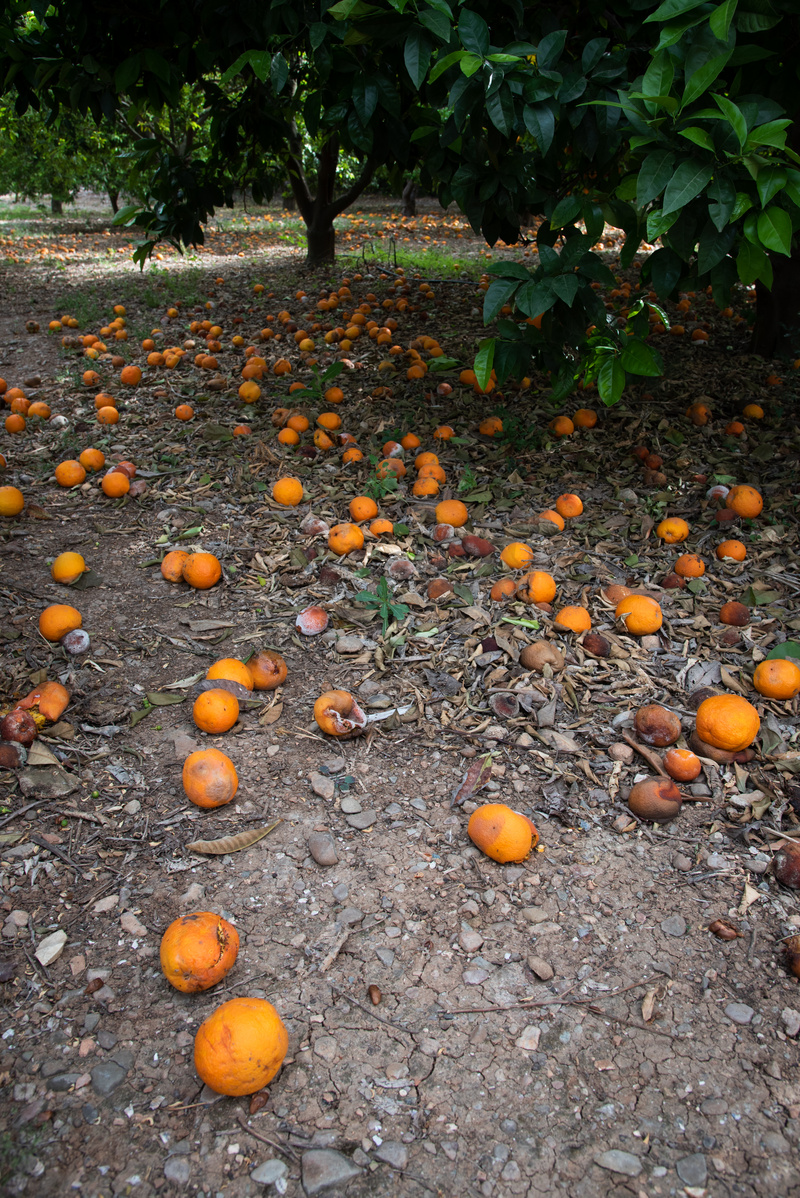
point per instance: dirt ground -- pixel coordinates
(567, 1026)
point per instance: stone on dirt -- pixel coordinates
(619, 1162)
(324, 1167)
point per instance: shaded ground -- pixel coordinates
(567, 1026)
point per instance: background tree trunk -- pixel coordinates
(408, 205)
(56, 206)
(776, 332)
(113, 197)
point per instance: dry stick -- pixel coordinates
(640, 1027)
(363, 1007)
(651, 758)
(550, 1002)
(344, 935)
(285, 1149)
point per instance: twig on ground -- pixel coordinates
(651, 758)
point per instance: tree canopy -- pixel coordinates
(674, 121)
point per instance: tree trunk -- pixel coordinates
(408, 206)
(56, 206)
(113, 196)
(776, 332)
(321, 242)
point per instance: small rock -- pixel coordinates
(350, 805)
(322, 848)
(19, 919)
(692, 1169)
(682, 862)
(106, 1077)
(470, 941)
(350, 915)
(534, 914)
(105, 904)
(130, 924)
(739, 1012)
(62, 1082)
(322, 785)
(362, 819)
(714, 1106)
(675, 925)
(621, 752)
(269, 1172)
(649, 643)
(192, 894)
(529, 1040)
(393, 1154)
(543, 969)
(132, 808)
(619, 1162)
(177, 1170)
(474, 976)
(716, 861)
(324, 1167)
(791, 1021)
(385, 956)
(341, 891)
(51, 948)
(349, 644)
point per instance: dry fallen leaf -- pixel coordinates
(723, 929)
(649, 1005)
(232, 844)
(475, 779)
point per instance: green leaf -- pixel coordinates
(610, 381)
(499, 293)
(565, 211)
(702, 78)
(279, 72)
(474, 32)
(127, 73)
(657, 78)
(735, 116)
(775, 230)
(769, 182)
(720, 20)
(164, 698)
(671, 9)
(639, 358)
(749, 262)
(699, 136)
(654, 175)
(127, 215)
(782, 652)
(500, 110)
(540, 122)
(470, 64)
(438, 23)
(773, 133)
(688, 181)
(565, 287)
(442, 64)
(417, 56)
(484, 360)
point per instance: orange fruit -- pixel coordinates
(585, 418)
(39, 409)
(68, 567)
(698, 413)
(334, 395)
(209, 778)
(731, 551)
(232, 670)
(92, 459)
(640, 614)
(344, 538)
(288, 492)
(778, 678)
(537, 587)
(500, 833)
(288, 436)
(444, 432)
(452, 511)
(197, 951)
(115, 484)
(363, 508)
(70, 473)
(491, 426)
(15, 423)
(172, 565)
(727, 722)
(184, 411)
(573, 619)
(553, 517)
(503, 589)
(298, 422)
(689, 565)
(735, 428)
(410, 441)
(267, 669)
(562, 426)
(130, 376)
(57, 620)
(682, 764)
(12, 501)
(215, 711)
(329, 420)
(202, 570)
(338, 714)
(107, 415)
(425, 459)
(240, 1047)
(249, 392)
(49, 699)
(745, 501)
(432, 470)
(381, 527)
(390, 466)
(353, 454)
(672, 530)
(753, 411)
(569, 505)
(425, 487)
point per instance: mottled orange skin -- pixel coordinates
(197, 951)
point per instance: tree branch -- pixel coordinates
(352, 193)
(299, 186)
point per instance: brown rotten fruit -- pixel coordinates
(786, 864)
(792, 949)
(657, 726)
(18, 725)
(539, 654)
(655, 800)
(338, 714)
